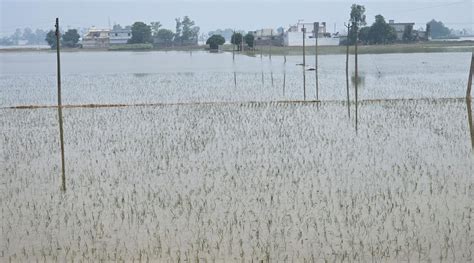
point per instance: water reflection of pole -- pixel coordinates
(469, 82)
(284, 82)
(235, 79)
(469, 116)
(347, 73)
(304, 83)
(60, 110)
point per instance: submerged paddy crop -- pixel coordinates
(259, 181)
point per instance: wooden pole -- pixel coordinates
(356, 78)
(469, 82)
(347, 73)
(304, 63)
(316, 30)
(60, 110)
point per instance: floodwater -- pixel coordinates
(271, 181)
(29, 78)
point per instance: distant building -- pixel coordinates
(120, 36)
(400, 28)
(266, 37)
(294, 35)
(96, 38)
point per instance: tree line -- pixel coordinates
(380, 32)
(186, 33)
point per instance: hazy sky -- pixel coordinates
(213, 14)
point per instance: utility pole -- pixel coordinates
(304, 63)
(60, 110)
(347, 71)
(316, 35)
(356, 74)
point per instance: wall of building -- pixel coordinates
(296, 39)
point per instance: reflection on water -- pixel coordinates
(470, 121)
(141, 75)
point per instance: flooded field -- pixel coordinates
(157, 77)
(271, 181)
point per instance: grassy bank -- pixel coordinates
(440, 46)
(365, 49)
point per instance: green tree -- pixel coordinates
(357, 19)
(364, 34)
(141, 33)
(70, 38)
(380, 32)
(215, 41)
(250, 40)
(155, 27)
(51, 39)
(164, 37)
(29, 36)
(438, 30)
(179, 29)
(236, 39)
(408, 34)
(189, 32)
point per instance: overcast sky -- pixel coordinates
(213, 14)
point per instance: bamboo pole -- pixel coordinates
(60, 110)
(304, 63)
(347, 74)
(316, 30)
(469, 82)
(356, 79)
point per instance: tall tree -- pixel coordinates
(164, 37)
(236, 39)
(141, 33)
(438, 29)
(179, 28)
(249, 40)
(380, 32)
(51, 39)
(70, 38)
(357, 19)
(408, 34)
(190, 32)
(155, 27)
(215, 41)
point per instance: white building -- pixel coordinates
(120, 36)
(294, 35)
(96, 38)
